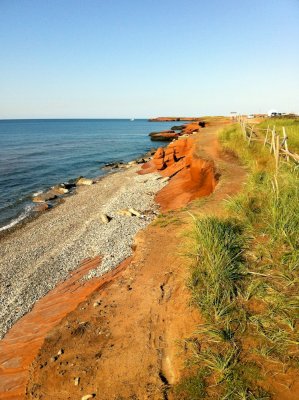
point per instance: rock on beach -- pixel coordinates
(43, 197)
(41, 207)
(84, 182)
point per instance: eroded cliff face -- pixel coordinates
(191, 176)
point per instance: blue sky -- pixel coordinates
(141, 58)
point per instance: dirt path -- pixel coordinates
(126, 340)
(20, 346)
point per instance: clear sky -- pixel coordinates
(141, 58)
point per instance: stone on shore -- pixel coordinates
(178, 127)
(68, 185)
(164, 136)
(43, 197)
(59, 190)
(41, 207)
(84, 182)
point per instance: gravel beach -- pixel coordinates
(38, 255)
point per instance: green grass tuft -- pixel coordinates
(220, 265)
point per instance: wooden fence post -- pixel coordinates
(266, 138)
(243, 129)
(250, 136)
(277, 153)
(272, 147)
(285, 141)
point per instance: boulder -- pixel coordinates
(164, 137)
(43, 197)
(84, 182)
(160, 133)
(68, 185)
(178, 127)
(41, 207)
(60, 190)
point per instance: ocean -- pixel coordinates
(37, 154)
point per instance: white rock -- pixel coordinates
(125, 213)
(104, 218)
(76, 381)
(60, 190)
(134, 212)
(84, 182)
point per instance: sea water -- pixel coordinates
(37, 154)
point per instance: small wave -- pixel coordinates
(37, 193)
(20, 218)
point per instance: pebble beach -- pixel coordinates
(41, 253)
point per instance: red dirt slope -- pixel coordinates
(192, 176)
(20, 346)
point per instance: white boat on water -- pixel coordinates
(132, 119)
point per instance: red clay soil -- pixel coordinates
(192, 176)
(20, 346)
(124, 341)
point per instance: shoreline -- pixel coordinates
(108, 169)
(34, 259)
